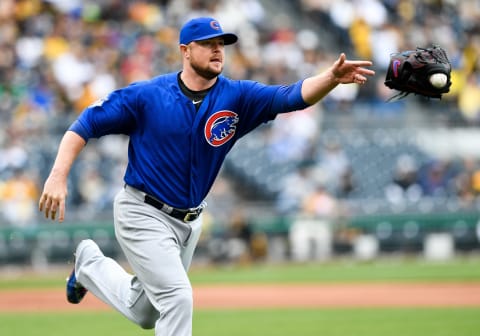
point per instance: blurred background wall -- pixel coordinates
(352, 176)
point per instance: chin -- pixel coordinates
(212, 73)
(216, 70)
(208, 72)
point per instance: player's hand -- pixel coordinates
(52, 200)
(345, 71)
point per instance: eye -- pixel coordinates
(205, 44)
(212, 43)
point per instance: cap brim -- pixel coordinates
(228, 38)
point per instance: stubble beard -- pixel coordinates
(206, 72)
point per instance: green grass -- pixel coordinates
(71, 324)
(341, 322)
(401, 270)
(279, 322)
(398, 270)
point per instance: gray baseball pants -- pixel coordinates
(159, 249)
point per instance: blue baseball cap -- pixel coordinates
(204, 28)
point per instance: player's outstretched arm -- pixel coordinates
(342, 71)
(52, 200)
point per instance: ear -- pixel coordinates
(184, 51)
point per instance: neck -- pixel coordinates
(195, 82)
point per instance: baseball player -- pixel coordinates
(180, 127)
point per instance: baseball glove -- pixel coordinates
(424, 71)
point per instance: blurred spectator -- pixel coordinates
(283, 49)
(311, 234)
(19, 197)
(347, 183)
(469, 99)
(13, 154)
(467, 182)
(222, 200)
(404, 185)
(244, 244)
(436, 178)
(320, 204)
(476, 181)
(333, 166)
(93, 191)
(295, 186)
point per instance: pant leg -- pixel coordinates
(188, 248)
(159, 249)
(108, 281)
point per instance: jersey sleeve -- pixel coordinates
(289, 98)
(115, 114)
(274, 99)
(263, 102)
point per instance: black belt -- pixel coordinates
(187, 215)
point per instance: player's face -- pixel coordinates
(207, 57)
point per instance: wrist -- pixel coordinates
(59, 172)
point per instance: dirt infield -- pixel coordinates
(272, 296)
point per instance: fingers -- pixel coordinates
(360, 63)
(359, 79)
(52, 206)
(45, 204)
(361, 72)
(341, 59)
(41, 203)
(366, 72)
(347, 71)
(49, 209)
(360, 76)
(61, 206)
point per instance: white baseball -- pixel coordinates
(438, 80)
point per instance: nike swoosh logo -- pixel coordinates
(395, 65)
(195, 102)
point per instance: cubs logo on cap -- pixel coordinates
(204, 28)
(215, 25)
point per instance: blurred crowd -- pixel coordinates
(57, 57)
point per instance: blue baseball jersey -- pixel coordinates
(175, 152)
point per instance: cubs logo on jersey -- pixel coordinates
(220, 127)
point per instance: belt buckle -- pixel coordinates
(190, 216)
